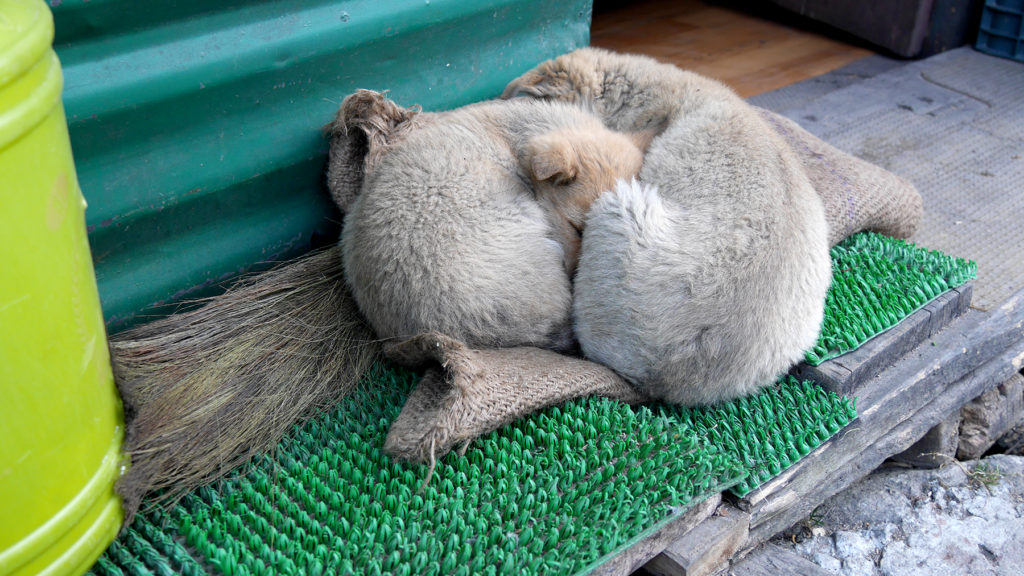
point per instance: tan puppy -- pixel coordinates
(571, 168)
(706, 279)
(443, 231)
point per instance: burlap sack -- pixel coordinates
(467, 393)
(857, 195)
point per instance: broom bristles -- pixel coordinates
(208, 389)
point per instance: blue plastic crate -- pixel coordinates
(1002, 29)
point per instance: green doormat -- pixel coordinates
(876, 282)
(556, 493)
(559, 492)
(769, 431)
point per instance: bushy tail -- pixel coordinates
(208, 389)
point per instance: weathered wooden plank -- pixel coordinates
(886, 403)
(894, 395)
(772, 560)
(638, 554)
(845, 374)
(937, 447)
(986, 418)
(706, 548)
(960, 305)
(831, 374)
(903, 381)
(869, 441)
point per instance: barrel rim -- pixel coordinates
(34, 21)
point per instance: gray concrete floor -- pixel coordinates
(953, 124)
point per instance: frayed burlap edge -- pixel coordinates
(466, 393)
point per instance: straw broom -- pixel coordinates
(208, 389)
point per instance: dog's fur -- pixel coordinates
(569, 170)
(446, 233)
(707, 279)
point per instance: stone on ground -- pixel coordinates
(954, 520)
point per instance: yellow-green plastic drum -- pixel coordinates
(60, 415)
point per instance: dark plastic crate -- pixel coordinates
(1002, 29)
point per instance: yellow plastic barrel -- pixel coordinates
(60, 415)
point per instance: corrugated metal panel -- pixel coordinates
(196, 125)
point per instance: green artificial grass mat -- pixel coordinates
(877, 281)
(771, 430)
(559, 492)
(556, 493)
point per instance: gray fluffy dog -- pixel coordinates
(707, 278)
(466, 222)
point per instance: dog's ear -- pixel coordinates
(551, 157)
(366, 124)
(547, 80)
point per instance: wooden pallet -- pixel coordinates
(906, 381)
(896, 407)
(847, 373)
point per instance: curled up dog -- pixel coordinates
(467, 224)
(706, 279)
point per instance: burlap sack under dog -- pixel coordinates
(857, 195)
(466, 393)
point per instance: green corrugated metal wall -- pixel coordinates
(196, 125)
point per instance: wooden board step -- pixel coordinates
(772, 560)
(846, 373)
(896, 407)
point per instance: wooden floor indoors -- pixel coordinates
(750, 53)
